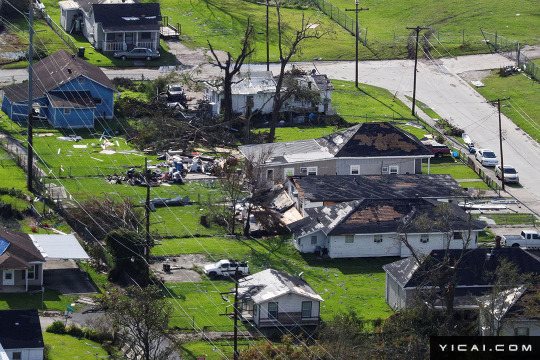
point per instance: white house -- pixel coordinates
(20, 335)
(113, 25)
(272, 298)
(405, 278)
(380, 227)
(256, 89)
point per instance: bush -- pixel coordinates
(97, 336)
(56, 327)
(75, 331)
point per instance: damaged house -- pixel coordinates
(378, 227)
(272, 298)
(255, 91)
(375, 148)
(315, 191)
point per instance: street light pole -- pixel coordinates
(417, 29)
(356, 10)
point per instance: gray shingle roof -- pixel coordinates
(137, 17)
(20, 329)
(20, 252)
(338, 188)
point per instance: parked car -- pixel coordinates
(510, 174)
(486, 157)
(226, 268)
(137, 53)
(528, 238)
(437, 149)
(175, 92)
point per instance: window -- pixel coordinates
(458, 235)
(97, 101)
(521, 331)
(303, 170)
(306, 309)
(393, 169)
(349, 239)
(377, 238)
(32, 273)
(355, 169)
(312, 170)
(81, 79)
(8, 275)
(270, 174)
(314, 240)
(384, 169)
(255, 308)
(250, 101)
(146, 35)
(273, 310)
(288, 172)
(424, 238)
(17, 355)
(67, 111)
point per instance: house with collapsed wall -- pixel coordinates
(272, 298)
(406, 278)
(113, 25)
(382, 227)
(375, 148)
(315, 191)
(68, 92)
(255, 91)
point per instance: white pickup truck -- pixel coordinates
(226, 268)
(528, 239)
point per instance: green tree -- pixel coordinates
(142, 317)
(127, 249)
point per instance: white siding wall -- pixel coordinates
(27, 354)
(363, 246)
(436, 242)
(508, 328)
(289, 303)
(374, 166)
(394, 294)
(304, 245)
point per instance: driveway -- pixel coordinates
(66, 277)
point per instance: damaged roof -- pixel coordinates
(378, 216)
(339, 188)
(475, 268)
(270, 284)
(71, 99)
(125, 17)
(360, 141)
(19, 251)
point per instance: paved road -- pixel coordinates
(439, 86)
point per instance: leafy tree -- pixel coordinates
(142, 318)
(128, 250)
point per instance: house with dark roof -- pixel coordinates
(405, 278)
(382, 227)
(69, 92)
(21, 263)
(375, 148)
(272, 298)
(255, 90)
(512, 312)
(314, 191)
(113, 25)
(20, 335)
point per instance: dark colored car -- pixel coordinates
(137, 53)
(437, 149)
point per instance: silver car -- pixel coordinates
(510, 174)
(137, 53)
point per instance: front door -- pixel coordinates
(129, 41)
(8, 278)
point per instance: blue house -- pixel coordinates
(70, 93)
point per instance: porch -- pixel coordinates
(125, 41)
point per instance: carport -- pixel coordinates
(70, 279)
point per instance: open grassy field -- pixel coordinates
(522, 106)
(68, 347)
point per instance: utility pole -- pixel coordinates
(498, 101)
(30, 147)
(417, 29)
(235, 313)
(147, 214)
(356, 10)
(267, 4)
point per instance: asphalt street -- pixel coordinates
(439, 85)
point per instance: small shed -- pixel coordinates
(70, 16)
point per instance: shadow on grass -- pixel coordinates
(350, 266)
(31, 300)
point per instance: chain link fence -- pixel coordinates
(342, 18)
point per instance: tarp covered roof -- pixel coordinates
(59, 246)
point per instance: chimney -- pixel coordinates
(497, 242)
(69, 71)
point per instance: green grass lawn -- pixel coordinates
(52, 299)
(63, 347)
(215, 350)
(523, 106)
(458, 170)
(511, 218)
